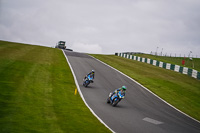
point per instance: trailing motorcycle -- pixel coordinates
(87, 80)
(114, 99)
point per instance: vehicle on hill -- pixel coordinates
(61, 45)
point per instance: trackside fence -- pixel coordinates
(184, 70)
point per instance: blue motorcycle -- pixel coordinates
(114, 99)
(87, 80)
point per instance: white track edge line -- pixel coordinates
(147, 90)
(79, 90)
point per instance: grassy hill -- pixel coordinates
(37, 93)
(179, 90)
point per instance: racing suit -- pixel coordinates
(91, 75)
(117, 90)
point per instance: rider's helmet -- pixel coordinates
(93, 71)
(124, 87)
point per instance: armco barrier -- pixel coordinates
(184, 70)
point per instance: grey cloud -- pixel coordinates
(107, 25)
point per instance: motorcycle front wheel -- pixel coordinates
(115, 102)
(84, 83)
(108, 100)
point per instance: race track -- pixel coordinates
(139, 112)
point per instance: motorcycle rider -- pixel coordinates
(91, 75)
(122, 89)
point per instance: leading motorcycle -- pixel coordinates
(87, 80)
(114, 99)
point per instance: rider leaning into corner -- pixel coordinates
(122, 89)
(91, 74)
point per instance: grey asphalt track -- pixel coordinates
(139, 112)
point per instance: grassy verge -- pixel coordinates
(193, 64)
(180, 90)
(37, 93)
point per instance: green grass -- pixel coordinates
(180, 90)
(193, 64)
(37, 93)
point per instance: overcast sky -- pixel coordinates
(105, 26)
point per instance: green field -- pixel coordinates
(37, 93)
(193, 64)
(178, 89)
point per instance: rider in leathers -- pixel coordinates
(91, 75)
(122, 89)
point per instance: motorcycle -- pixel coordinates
(87, 80)
(115, 98)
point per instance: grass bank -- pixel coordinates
(180, 90)
(37, 93)
(193, 64)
